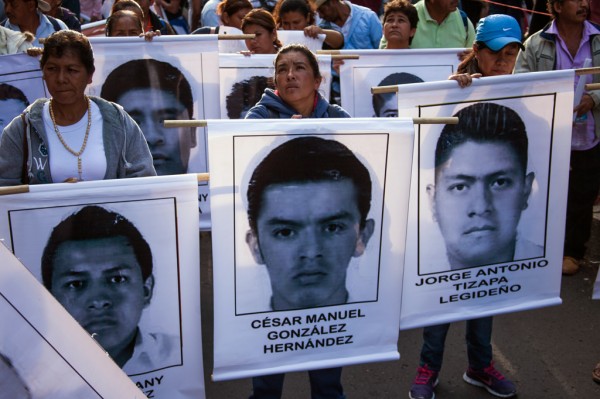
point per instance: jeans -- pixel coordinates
(479, 347)
(584, 180)
(324, 384)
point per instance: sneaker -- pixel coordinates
(492, 380)
(596, 374)
(570, 266)
(423, 386)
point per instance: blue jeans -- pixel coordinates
(479, 347)
(324, 384)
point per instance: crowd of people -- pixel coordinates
(89, 138)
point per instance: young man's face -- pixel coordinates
(100, 284)
(478, 204)
(9, 109)
(170, 147)
(307, 234)
(389, 106)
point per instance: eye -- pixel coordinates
(284, 232)
(118, 279)
(74, 285)
(501, 183)
(458, 188)
(335, 228)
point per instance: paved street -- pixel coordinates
(549, 353)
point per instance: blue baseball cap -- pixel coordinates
(498, 30)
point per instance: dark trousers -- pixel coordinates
(479, 347)
(324, 384)
(584, 182)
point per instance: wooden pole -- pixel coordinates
(587, 71)
(384, 89)
(417, 121)
(14, 189)
(236, 37)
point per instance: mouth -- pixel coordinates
(310, 277)
(100, 324)
(476, 230)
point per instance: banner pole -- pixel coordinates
(236, 37)
(14, 189)
(384, 89)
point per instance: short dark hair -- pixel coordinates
(304, 7)
(148, 74)
(396, 78)
(63, 41)
(117, 15)
(300, 48)
(245, 94)
(550, 7)
(308, 159)
(9, 92)
(403, 6)
(93, 222)
(483, 123)
(130, 5)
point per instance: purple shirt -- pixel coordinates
(584, 136)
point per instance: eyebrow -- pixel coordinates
(282, 221)
(111, 270)
(461, 176)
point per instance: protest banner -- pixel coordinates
(487, 210)
(309, 221)
(171, 77)
(122, 256)
(44, 353)
(243, 80)
(20, 85)
(387, 68)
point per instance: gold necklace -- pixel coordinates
(85, 138)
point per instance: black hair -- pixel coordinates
(148, 74)
(483, 123)
(245, 94)
(65, 41)
(300, 48)
(93, 222)
(309, 159)
(8, 92)
(397, 78)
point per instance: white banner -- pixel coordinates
(304, 288)
(388, 68)
(244, 79)
(487, 210)
(122, 256)
(171, 77)
(20, 85)
(298, 37)
(44, 354)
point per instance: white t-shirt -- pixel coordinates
(63, 164)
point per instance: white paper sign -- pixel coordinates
(122, 257)
(487, 213)
(171, 77)
(298, 301)
(387, 68)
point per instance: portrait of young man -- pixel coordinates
(481, 187)
(152, 91)
(308, 205)
(386, 105)
(99, 266)
(12, 102)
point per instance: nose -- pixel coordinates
(480, 201)
(153, 133)
(310, 245)
(98, 298)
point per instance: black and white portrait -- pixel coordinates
(114, 270)
(480, 187)
(312, 225)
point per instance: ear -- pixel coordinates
(431, 197)
(412, 32)
(254, 245)
(148, 289)
(90, 78)
(193, 141)
(364, 235)
(318, 83)
(527, 189)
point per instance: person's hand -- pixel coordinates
(465, 79)
(247, 53)
(463, 54)
(150, 35)
(35, 51)
(336, 63)
(297, 116)
(312, 31)
(585, 105)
